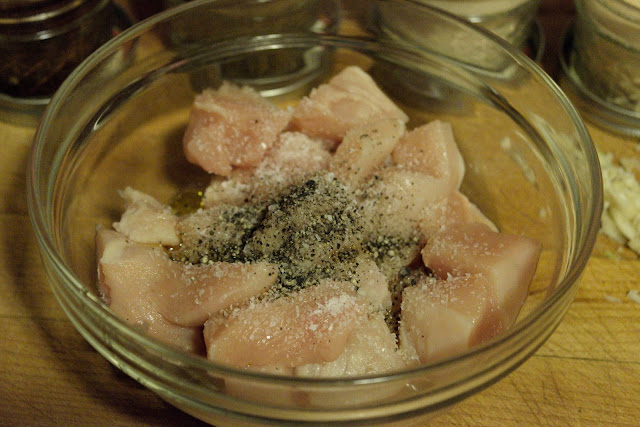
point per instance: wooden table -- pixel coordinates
(588, 373)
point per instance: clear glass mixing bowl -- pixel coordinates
(119, 118)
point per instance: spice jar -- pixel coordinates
(601, 62)
(512, 20)
(607, 49)
(42, 41)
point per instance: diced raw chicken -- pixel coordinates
(214, 234)
(231, 126)
(507, 261)
(396, 200)
(432, 149)
(196, 292)
(233, 190)
(292, 159)
(126, 273)
(334, 229)
(364, 148)
(441, 318)
(372, 284)
(351, 98)
(310, 326)
(184, 294)
(146, 220)
(452, 211)
(371, 349)
(307, 226)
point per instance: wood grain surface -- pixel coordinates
(588, 373)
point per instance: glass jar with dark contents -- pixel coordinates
(42, 41)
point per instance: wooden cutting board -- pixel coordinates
(588, 373)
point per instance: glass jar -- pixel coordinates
(511, 20)
(42, 41)
(607, 48)
(601, 62)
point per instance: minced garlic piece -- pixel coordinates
(621, 214)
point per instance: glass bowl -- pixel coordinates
(118, 120)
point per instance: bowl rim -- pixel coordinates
(39, 216)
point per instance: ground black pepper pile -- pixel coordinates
(312, 231)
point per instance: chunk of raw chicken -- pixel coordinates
(351, 98)
(233, 190)
(312, 325)
(432, 149)
(396, 198)
(306, 228)
(231, 126)
(126, 273)
(451, 211)
(135, 277)
(215, 234)
(507, 261)
(293, 158)
(193, 293)
(391, 207)
(441, 318)
(372, 284)
(364, 148)
(370, 349)
(146, 220)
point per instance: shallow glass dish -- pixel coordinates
(531, 167)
